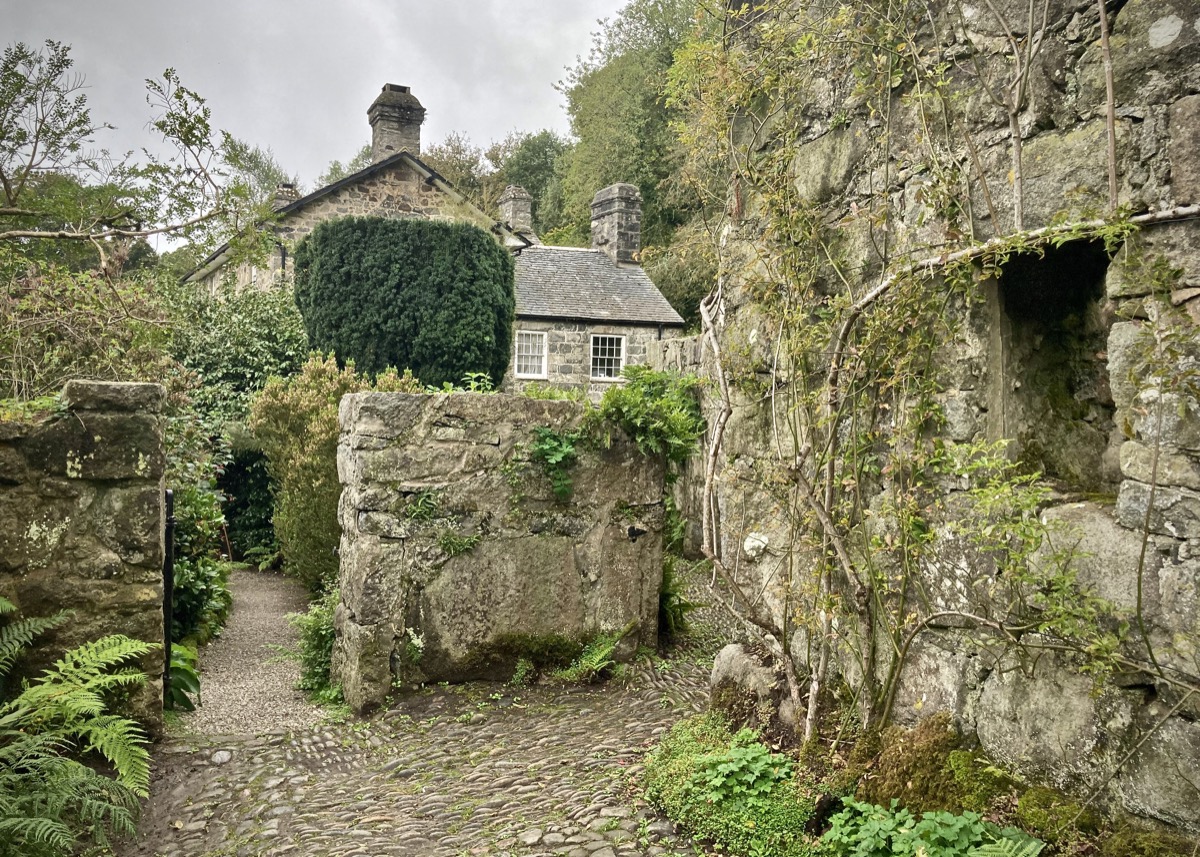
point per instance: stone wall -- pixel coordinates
(456, 556)
(81, 521)
(1054, 358)
(569, 353)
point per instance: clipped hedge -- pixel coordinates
(296, 422)
(430, 296)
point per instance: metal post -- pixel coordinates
(168, 592)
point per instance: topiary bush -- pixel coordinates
(296, 422)
(430, 296)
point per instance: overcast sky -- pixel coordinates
(298, 75)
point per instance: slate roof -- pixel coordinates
(571, 282)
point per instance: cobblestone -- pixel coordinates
(463, 770)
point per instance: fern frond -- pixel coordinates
(1005, 847)
(16, 637)
(42, 831)
(123, 743)
(88, 662)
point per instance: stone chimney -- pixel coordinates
(285, 195)
(617, 222)
(396, 118)
(516, 209)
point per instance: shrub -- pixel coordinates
(728, 789)
(296, 422)
(233, 342)
(51, 803)
(431, 296)
(659, 410)
(201, 596)
(315, 648)
(673, 605)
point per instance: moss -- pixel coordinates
(18, 411)
(912, 768)
(1129, 842)
(1050, 815)
(979, 783)
(544, 651)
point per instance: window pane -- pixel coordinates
(531, 349)
(608, 356)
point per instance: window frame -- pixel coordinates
(620, 337)
(545, 373)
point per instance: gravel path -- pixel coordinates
(245, 688)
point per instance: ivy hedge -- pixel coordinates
(425, 295)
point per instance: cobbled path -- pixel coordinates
(473, 770)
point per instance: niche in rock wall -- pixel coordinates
(1049, 374)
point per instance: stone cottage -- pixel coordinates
(582, 314)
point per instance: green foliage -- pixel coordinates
(673, 606)
(295, 422)
(746, 773)
(1052, 816)
(978, 783)
(594, 663)
(866, 830)
(621, 120)
(51, 803)
(755, 807)
(16, 635)
(454, 545)
(232, 343)
(201, 596)
(185, 678)
(62, 324)
(659, 410)
(431, 296)
(337, 170)
(524, 673)
(911, 767)
(550, 393)
(246, 485)
(423, 506)
(315, 648)
(1131, 842)
(556, 452)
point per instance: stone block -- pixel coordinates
(1173, 469)
(1154, 44)
(1175, 512)
(1184, 149)
(1172, 420)
(751, 691)
(823, 167)
(1127, 344)
(1044, 721)
(362, 661)
(99, 446)
(941, 673)
(123, 397)
(1162, 778)
(1104, 554)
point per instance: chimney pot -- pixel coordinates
(617, 222)
(516, 209)
(285, 194)
(395, 116)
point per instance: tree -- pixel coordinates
(474, 173)
(45, 128)
(337, 170)
(430, 296)
(528, 160)
(619, 115)
(258, 168)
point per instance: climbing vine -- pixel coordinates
(855, 303)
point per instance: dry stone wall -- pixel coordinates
(1056, 358)
(81, 522)
(457, 558)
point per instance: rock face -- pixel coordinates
(750, 691)
(457, 556)
(81, 522)
(1081, 361)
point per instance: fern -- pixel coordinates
(16, 637)
(1005, 847)
(51, 803)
